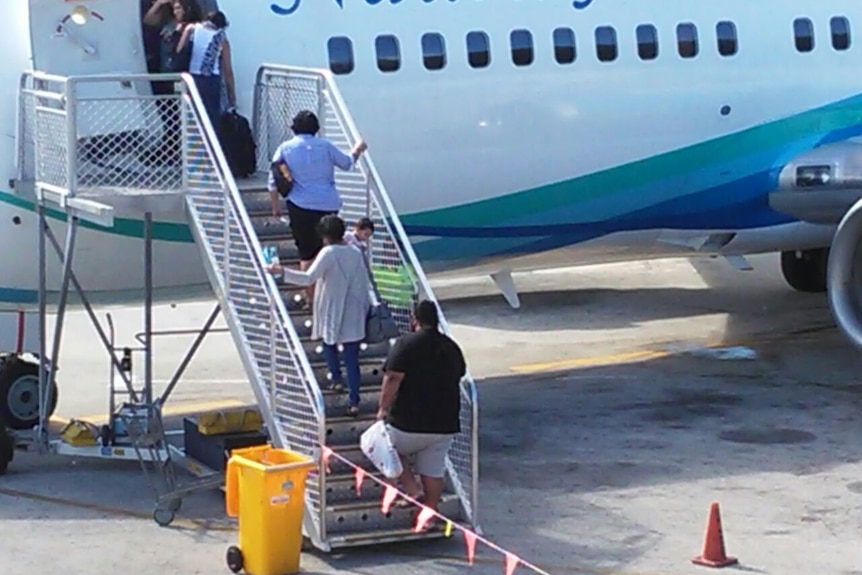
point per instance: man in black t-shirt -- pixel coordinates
(421, 401)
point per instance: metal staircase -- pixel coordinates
(232, 223)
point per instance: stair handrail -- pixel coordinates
(312, 387)
(382, 197)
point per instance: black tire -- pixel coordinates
(7, 448)
(234, 560)
(805, 271)
(19, 394)
(163, 517)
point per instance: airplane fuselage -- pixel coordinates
(609, 147)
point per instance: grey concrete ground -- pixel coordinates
(616, 406)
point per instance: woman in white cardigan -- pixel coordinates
(341, 303)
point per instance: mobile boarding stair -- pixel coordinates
(78, 135)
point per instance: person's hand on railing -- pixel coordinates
(359, 149)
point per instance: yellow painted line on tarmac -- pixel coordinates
(645, 355)
(595, 361)
(171, 409)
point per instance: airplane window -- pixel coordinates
(565, 51)
(840, 33)
(726, 35)
(686, 36)
(434, 51)
(388, 53)
(478, 49)
(647, 37)
(803, 29)
(522, 47)
(340, 55)
(606, 43)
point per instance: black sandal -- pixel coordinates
(353, 411)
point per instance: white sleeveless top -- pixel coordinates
(206, 51)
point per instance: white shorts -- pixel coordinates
(429, 449)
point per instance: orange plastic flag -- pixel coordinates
(360, 477)
(326, 454)
(389, 497)
(423, 518)
(470, 539)
(511, 563)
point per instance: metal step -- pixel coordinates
(364, 516)
(366, 538)
(371, 371)
(314, 350)
(369, 391)
(354, 455)
(345, 430)
(342, 489)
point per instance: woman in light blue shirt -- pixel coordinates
(311, 161)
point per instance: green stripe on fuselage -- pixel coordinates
(126, 227)
(722, 150)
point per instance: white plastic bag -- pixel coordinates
(377, 446)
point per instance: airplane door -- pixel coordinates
(90, 37)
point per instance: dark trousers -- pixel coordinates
(210, 91)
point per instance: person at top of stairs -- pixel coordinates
(421, 401)
(311, 161)
(341, 303)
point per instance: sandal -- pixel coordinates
(336, 386)
(353, 411)
(434, 524)
(406, 503)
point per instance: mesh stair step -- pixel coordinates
(377, 537)
(336, 401)
(362, 516)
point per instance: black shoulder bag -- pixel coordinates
(283, 178)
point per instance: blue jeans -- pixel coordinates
(210, 91)
(351, 363)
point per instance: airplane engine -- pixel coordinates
(844, 276)
(824, 186)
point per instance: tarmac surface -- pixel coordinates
(616, 406)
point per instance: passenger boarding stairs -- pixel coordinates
(120, 160)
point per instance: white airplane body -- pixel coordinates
(501, 167)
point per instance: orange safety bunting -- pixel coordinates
(470, 539)
(511, 563)
(423, 518)
(389, 497)
(360, 478)
(390, 494)
(326, 454)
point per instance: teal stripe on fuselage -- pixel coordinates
(605, 201)
(127, 227)
(609, 192)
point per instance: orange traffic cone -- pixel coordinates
(713, 545)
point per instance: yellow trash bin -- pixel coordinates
(265, 489)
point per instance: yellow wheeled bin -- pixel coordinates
(265, 489)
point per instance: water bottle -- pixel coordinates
(270, 255)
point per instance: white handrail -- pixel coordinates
(227, 177)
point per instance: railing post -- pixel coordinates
(184, 102)
(71, 138)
